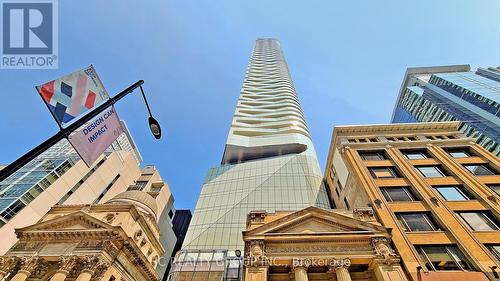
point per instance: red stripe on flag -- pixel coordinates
(47, 91)
(89, 103)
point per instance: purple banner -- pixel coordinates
(93, 138)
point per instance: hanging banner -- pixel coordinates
(73, 94)
(93, 138)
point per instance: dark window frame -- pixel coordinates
(427, 217)
(407, 190)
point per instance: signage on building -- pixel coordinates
(93, 138)
(73, 94)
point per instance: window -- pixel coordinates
(13, 209)
(372, 155)
(458, 152)
(443, 258)
(479, 169)
(139, 185)
(495, 250)
(383, 172)
(453, 193)
(401, 193)
(431, 171)
(417, 222)
(494, 187)
(415, 154)
(480, 221)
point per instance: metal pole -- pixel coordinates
(64, 133)
(145, 101)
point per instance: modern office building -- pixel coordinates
(453, 93)
(58, 176)
(434, 187)
(269, 161)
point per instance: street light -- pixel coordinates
(154, 126)
(65, 132)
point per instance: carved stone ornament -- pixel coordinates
(255, 253)
(95, 265)
(66, 263)
(138, 235)
(384, 251)
(110, 217)
(7, 264)
(364, 214)
(28, 264)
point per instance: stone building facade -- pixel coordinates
(118, 240)
(319, 244)
(435, 188)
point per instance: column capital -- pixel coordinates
(7, 264)
(28, 264)
(67, 263)
(95, 265)
(298, 263)
(336, 264)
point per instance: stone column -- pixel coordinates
(28, 264)
(93, 267)
(340, 267)
(300, 273)
(65, 266)
(299, 267)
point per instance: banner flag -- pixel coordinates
(93, 138)
(73, 94)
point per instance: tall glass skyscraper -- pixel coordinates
(453, 93)
(269, 161)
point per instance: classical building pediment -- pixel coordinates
(314, 220)
(71, 222)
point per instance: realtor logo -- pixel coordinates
(29, 35)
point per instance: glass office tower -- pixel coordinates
(269, 161)
(453, 93)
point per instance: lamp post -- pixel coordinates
(65, 132)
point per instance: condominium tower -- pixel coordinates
(453, 93)
(269, 162)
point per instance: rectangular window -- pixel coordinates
(480, 170)
(415, 154)
(431, 171)
(13, 209)
(417, 222)
(453, 193)
(458, 152)
(494, 187)
(495, 250)
(383, 172)
(480, 221)
(372, 155)
(439, 258)
(139, 185)
(400, 193)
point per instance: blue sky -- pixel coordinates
(347, 60)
